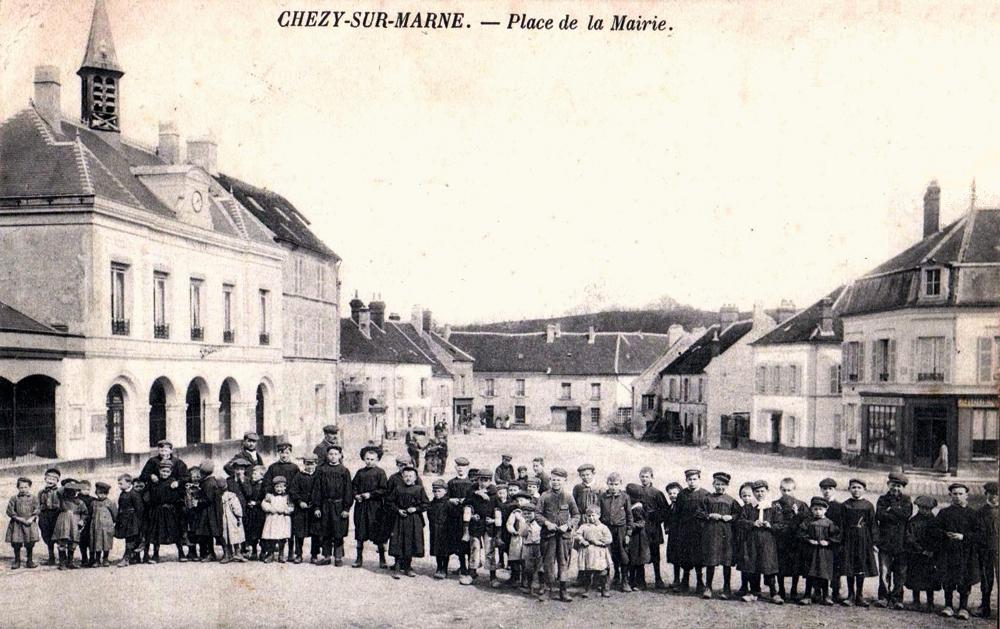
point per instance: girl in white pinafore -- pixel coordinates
(278, 521)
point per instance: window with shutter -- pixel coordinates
(984, 356)
(892, 360)
(861, 362)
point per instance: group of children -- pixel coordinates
(532, 525)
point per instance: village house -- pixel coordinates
(390, 361)
(460, 365)
(920, 351)
(573, 381)
(647, 390)
(707, 390)
(796, 387)
(146, 295)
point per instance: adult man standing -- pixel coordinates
(331, 437)
(892, 511)
(247, 452)
(165, 452)
(558, 515)
(538, 467)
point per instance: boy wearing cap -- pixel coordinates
(248, 452)
(166, 499)
(558, 515)
(407, 540)
(332, 498)
(586, 493)
(989, 522)
(331, 437)
(209, 530)
(921, 550)
(859, 534)
(616, 514)
(892, 511)
(688, 531)
(284, 466)
(791, 513)
(529, 530)
(672, 489)
(300, 490)
(958, 559)
(48, 504)
(437, 520)
(370, 487)
(760, 551)
(657, 511)
(86, 558)
(522, 478)
(69, 523)
(481, 516)
(458, 489)
(718, 511)
(129, 518)
(103, 513)
(835, 512)
(505, 471)
(820, 535)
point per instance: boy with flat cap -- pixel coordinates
(921, 552)
(522, 478)
(505, 471)
(558, 515)
(657, 512)
(481, 516)
(689, 530)
(437, 521)
(820, 536)
(835, 512)
(248, 452)
(332, 497)
(958, 559)
(989, 522)
(284, 466)
(892, 511)
(459, 487)
(718, 511)
(370, 490)
(791, 513)
(586, 493)
(859, 534)
(304, 522)
(164, 452)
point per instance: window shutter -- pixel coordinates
(861, 361)
(874, 359)
(892, 360)
(914, 361)
(984, 351)
(946, 359)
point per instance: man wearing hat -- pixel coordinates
(459, 488)
(892, 511)
(248, 451)
(558, 515)
(988, 524)
(331, 437)
(164, 452)
(505, 471)
(688, 532)
(958, 557)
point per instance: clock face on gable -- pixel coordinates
(197, 201)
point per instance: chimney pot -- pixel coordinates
(428, 321)
(202, 152)
(550, 333)
(394, 316)
(674, 334)
(446, 332)
(48, 94)
(364, 322)
(591, 335)
(356, 305)
(377, 309)
(169, 147)
(932, 208)
(826, 318)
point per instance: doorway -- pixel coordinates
(573, 420)
(259, 411)
(776, 431)
(195, 412)
(930, 431)
(114, 440)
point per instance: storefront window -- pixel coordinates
(882, 430)
(984, 432)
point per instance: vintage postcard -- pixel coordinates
(468, 313)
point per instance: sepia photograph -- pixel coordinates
(468, 313)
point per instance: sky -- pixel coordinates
(757, 152)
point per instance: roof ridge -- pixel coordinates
(970, 224)
(118, 183)
(43, 128)
(235, 215)
(618, 345)
(81, 164)
(396, 324)
(945, 238)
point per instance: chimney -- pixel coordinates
(394, 316)
(728, 314)
(591, 335)
(48, 98)
(377, 308)
(428, 321)
(446, 332)
(169, 148)
(364, 322)
(417, 317)
(558, 330)
(356, 305)
(932, 208)
(550, 333)
(202, 153)
(784, 311)
(714, 344)
(826, 317)
(674, 333)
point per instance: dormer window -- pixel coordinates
(933, 283)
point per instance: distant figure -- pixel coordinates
(941, 463)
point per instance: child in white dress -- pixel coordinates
(278, 521)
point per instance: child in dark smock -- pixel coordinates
(958, 558)
(819, 536)
(166, 500)
(22, 531)
(300, 490)
(370, 487)
(718, 512)
(103, 513)
(48, 504)
(128, 524)
(922, 546)
(760, 554)
(437, 521)
(673, 489)
(638, 544)
(748, 586)
(69, 524)
(253, 517)
(407, 541)
(857, 557)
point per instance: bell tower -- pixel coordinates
(100, 76)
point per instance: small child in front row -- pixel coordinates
(128, 522)
(23, 510)
(819, 535)
(48, 503)
(593, 556)
(103, 513)
(437, 521)
(857, 557)
(616, 515)
(530, 532)
(233, 535)
(760, 550)
(638, 543)
(86, 556)
(407, 539)
(278, 522)
(922, 545)
(69, 524)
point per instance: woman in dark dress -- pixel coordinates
(407, 541)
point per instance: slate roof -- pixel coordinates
(12, 320)
(803, 326)
(970, 247)
(277, 213)
(612, 353)
(386, 345)
(410, 332)
(696, 358)
(456, 352)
